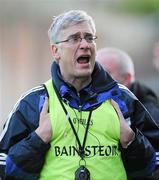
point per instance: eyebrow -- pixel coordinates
(79, 33)
(72, 35)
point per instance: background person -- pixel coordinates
(57, 130)
(156, 55)
(120, 65)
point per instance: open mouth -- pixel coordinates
(83, 59)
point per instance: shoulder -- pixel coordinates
(129, 99)
(27, 106)
(34, 92)
(144, 93)
(25, 113)
(31, 97)
(126, 93)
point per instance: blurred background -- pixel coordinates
(25, 57)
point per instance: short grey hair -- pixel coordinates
(67, 19)
(125, 63)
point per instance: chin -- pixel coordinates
(86, 74)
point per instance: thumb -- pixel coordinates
(45, 106)
(117, 109)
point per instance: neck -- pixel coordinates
(79, 83)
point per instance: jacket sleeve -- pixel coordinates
(142, 119)
(22, 149)
(139, 158)
(146, 144)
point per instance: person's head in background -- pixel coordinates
(156, 55)
(118, 63)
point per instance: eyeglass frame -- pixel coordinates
(78, 38)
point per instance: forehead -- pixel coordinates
(82, 28)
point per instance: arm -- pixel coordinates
(139, 157)
(137, 153)
(141, 119)
(24, 149)
(26, 158)
(153, 109)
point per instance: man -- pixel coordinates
(120, 65)
(156, 55)
(74, 127)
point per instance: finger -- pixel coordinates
(116, 107)
(45, 106)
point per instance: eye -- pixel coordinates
(74, 39)
(89, 38)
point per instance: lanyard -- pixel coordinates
(81, 146)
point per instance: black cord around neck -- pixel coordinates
(81, 147)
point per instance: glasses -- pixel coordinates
(74, 39)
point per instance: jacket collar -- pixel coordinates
(101, 88)
(101, 80)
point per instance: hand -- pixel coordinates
(127, 135)
(44, 131)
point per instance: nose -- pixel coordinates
(84, 44)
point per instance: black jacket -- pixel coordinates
(148, 98)
(22, 152)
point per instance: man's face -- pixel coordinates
(76, 60)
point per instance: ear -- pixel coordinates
(127, 80)
(54, 51)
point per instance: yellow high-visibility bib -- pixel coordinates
(103, 158)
